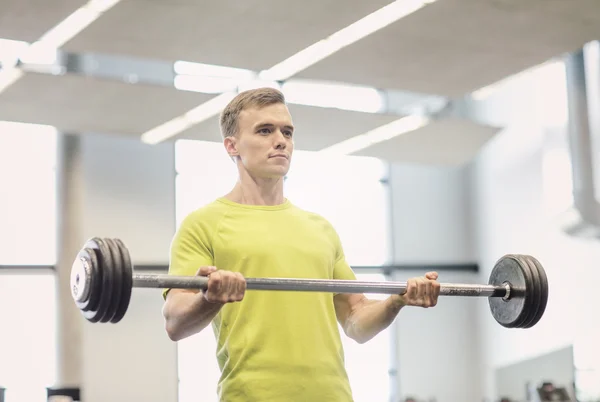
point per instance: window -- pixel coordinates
(28, 194)
(27, 234)
(28, 336)
(348, 191)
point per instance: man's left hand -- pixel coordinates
(422, 291)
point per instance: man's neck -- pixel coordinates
(250, 191)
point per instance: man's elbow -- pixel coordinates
(353, 333)
(172, 329)
(360, 339)
(173, 332)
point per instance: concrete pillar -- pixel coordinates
(70, 190)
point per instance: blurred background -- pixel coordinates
(430, 133)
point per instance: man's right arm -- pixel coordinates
(186, 311)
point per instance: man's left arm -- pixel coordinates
(363, 318)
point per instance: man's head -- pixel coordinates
(258, 132)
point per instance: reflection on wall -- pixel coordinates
(538, 379)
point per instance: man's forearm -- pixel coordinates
(187, 314)
(372, 317)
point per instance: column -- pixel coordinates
(70, 189)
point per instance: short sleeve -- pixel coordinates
(191, 248)
(341, 269)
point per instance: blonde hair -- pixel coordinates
(258, 98)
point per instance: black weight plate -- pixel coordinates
(127, 281)
(117, 280)
(533, 291)
(508, 312)
(543, 280)
(105, 266)
(96, 290)
(89, 255)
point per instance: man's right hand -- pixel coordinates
(223, 286)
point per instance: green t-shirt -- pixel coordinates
(273, 345)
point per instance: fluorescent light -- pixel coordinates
(207, 85)
(210, 108)
(342, 38)
(254, 84)
(9, 52)
(40, 54)
(17, 126)
(56, 37)
(201, 113)
(333, 95)
(165, 130)
(210, 70)
(377, 135)
(76, 22)
(485, 92)
(301, 60)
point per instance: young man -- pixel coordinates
(272, 345)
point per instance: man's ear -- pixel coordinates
(231, 146)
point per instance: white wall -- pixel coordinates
(431, 215)
(438, 353)
(437, 348)
(129, 194)
(512, 215)
(510, 219)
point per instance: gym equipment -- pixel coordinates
(102, 280)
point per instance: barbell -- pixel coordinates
(102, 280)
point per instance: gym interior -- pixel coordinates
(434, 135)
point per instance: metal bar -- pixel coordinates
(314, 285)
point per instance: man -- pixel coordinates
(272, 345)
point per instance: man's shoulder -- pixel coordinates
(208, 214)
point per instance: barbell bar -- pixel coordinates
(102, 280)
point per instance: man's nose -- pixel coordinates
(280, 140)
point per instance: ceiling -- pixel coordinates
(448, 48)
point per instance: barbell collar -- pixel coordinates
(316, 285)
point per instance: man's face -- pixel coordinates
(264, 142)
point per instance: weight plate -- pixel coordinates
(127, 282)
(106, 276)
(532, 291)
(543, 299)
(86, 258)
(96, 289)
(117, 283)
(80, 280)
(509, 312)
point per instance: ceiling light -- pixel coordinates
(377, 135)
(177, 125)
(57, 37)
(210, 70)
(342, 38)
(312, 54)
(207, 85)
(332, 95)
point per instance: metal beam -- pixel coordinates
(132, 70)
